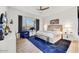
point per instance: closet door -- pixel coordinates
(19, 23)
(37, 24)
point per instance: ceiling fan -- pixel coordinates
(42, 8)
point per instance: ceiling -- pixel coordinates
(33, 9)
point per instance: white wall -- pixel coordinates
(2, 9)
(13, 14)
(68, 16)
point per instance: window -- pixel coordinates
(27, 23)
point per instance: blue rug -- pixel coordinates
(59, 47)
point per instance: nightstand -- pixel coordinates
(68, 36)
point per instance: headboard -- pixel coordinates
(55, 27)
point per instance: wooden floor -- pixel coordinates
(74, 47)
(25, 46)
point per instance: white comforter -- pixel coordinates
(46, 33)
(53, 36)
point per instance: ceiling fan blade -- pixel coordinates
(45, 8)
(42, 9)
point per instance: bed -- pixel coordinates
(53, 33)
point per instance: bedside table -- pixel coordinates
(68, 36)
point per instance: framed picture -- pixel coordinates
(54, 21)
